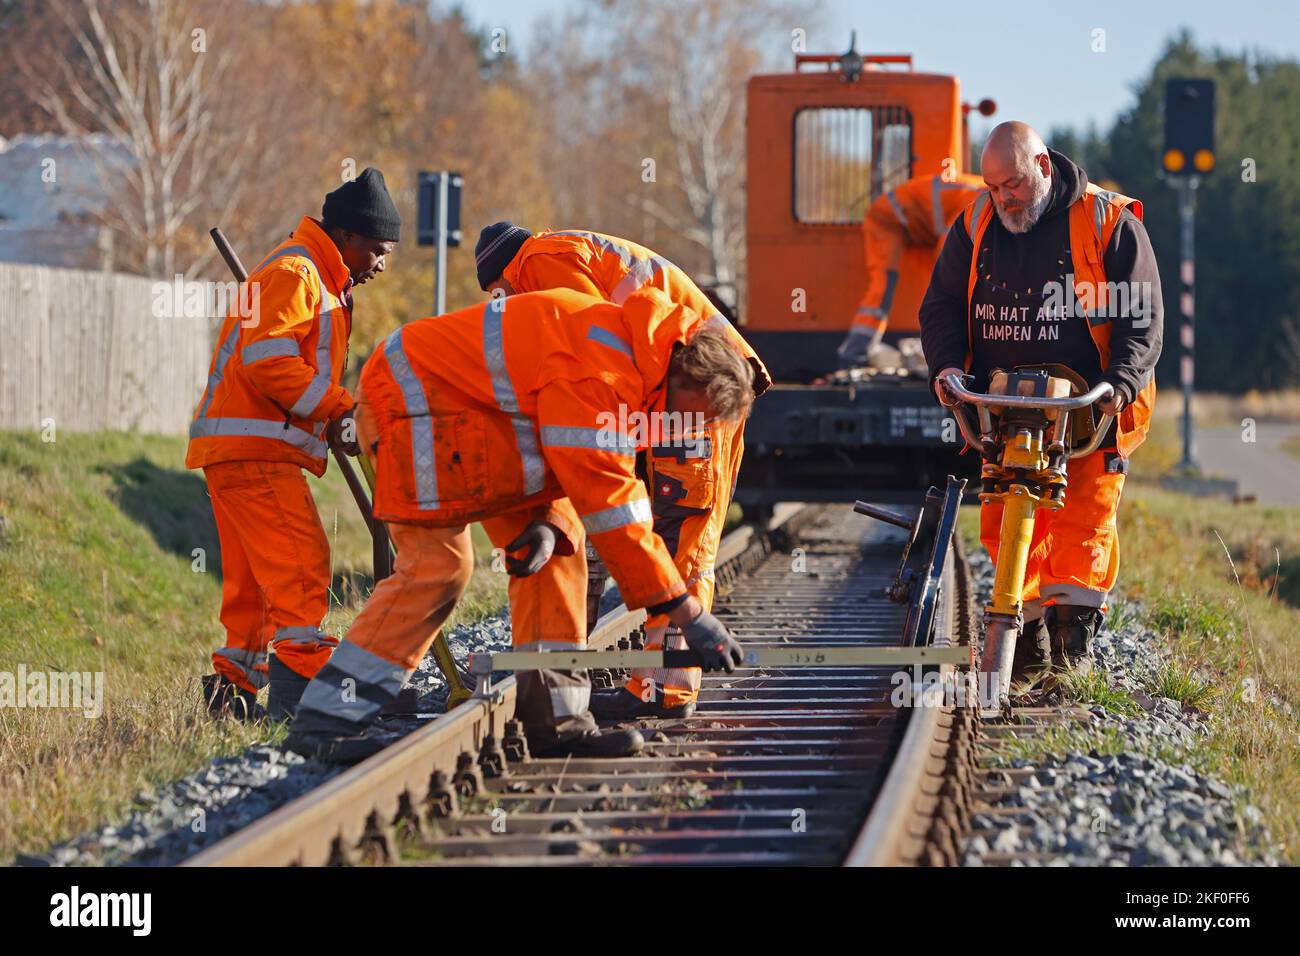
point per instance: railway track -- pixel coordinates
(797, 766)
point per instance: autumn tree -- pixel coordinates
(647, 106)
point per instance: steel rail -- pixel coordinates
(718, 788)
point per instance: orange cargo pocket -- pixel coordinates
(431, 464)
(1086, 558)
(460, 456)
(687, 484)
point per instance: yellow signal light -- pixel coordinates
(1175, 160)
(1203, 160)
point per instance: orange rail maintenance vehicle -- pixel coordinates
(823, 143)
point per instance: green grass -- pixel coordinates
(1220, 585)
(1178, 681)
(97, 554)
(1093, 688)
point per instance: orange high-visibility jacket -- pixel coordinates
(273, 384)
(524, 400)
(612, 268)
(1093, 219)
(916, 213)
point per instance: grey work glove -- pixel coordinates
(708, 637)
(539, 539)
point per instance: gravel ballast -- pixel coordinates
(1143, 806)
(179, 820)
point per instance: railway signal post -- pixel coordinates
(1188, 154)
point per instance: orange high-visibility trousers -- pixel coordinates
(1074, 552)
(548, 608)
(691, 498)
(275, 568)
(406, 611)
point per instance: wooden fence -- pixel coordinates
(87, 351)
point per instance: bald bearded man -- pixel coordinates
(1027, 276)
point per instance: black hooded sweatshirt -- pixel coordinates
(1010, 325)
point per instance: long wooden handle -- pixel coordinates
(228, 253)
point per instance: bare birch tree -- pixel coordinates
(149, 80)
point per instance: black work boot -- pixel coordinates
(344, 749)
(622, 704)
(1072, 629)
(1033, 653)
(285, 691)
(593, 743)
(224, 698)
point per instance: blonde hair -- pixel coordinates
(710, 363)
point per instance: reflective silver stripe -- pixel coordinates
(311, 396)
(898, 209)
(940, 225)
(569, 700)
(324, 309)
(674, 678)
(219, 367)
(327, 697)
(640, 271)
(494, 356)
(302, 635)
(1073, 594)
(257, 428)
(702, 573)
(272, 347)
(417, 409)
(597, 439)
(977, 208)
(268, 348)
(619, 516)
(1099, 202)
(247, 662)
(280, 254)
(645, 272)
(325, 329)
(608, 338)
(937, 202)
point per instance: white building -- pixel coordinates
(53, 192)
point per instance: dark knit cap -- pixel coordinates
(497, 245)
(363, 206)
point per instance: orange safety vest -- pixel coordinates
(273, 383)
(523, 400)
(612, 268)
(1093, 218)
(916, 213)
(925, 206)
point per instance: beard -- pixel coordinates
(1023, 218)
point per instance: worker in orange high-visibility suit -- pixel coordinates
(917, 214)
(273, 391)
(497, 413)
(1024, 279)
(690, 484)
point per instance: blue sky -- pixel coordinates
(1041, 70)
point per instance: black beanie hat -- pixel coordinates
(363, 206)
(497, 245)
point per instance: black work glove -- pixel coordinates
(342, 434)
(708, 637)
(855, 350)
(539, 539)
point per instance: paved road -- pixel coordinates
(1262, 468)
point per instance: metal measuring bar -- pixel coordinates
(483, 663)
